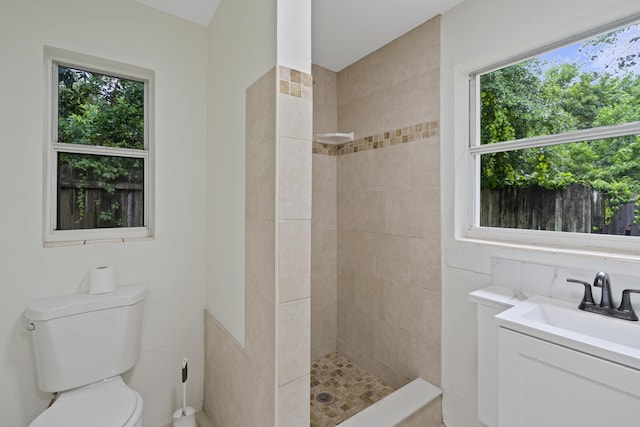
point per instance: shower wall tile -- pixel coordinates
(392, 254)
(403, 103)
(293, 403)
(260, 258)
(404, 213)
(294, 260)
(324, 174)
(324, 268)
(294, 179)
(431, 213)
(295, 117)
(392, 166)
(324, 210)
(431, 95)
(425, 264)
(388, 209)
(424, 360)
(261, 110)
(260, 180)
(294, 326)
(425, 164)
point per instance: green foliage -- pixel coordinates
(99, 110)
(533, 98)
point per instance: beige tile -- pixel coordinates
(392, 62)
(346, 287)
(224, 373)
(261, 110)
(294, 179)
(361, 249)
(426, 264)
(403, 103)
(390, 344)
(324, 329)
(369, 294)
(342, 172)
(403, 213)
(260, 180)
(294, 344)
(425, 40)
(431, 95)
(324, 173)
(293, 403)
(259, 255)
(393, 167)
(360, 172)
(359, 331)
(324, 210)
(393, 257)
(404, 305)
(260, 329)
(324, 266)
(432, 316)
(295, 116)
(355, 81)
(432, 213)
(425, 164)
(260, 393)
(425, 360)
(368, 210)
(294, 260)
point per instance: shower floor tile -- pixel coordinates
(352, 388)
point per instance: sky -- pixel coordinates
(603, 62)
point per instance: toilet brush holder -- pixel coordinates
(188, 419)
(185, 416)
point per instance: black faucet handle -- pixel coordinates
(587, 299)
(626, 308)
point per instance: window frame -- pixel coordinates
(54, 58)
(554, 240)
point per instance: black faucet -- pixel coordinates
(603, 281)
(606, 307)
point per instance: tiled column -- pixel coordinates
(293, 246)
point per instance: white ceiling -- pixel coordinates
(343, 31)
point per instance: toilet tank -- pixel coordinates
(80, 339)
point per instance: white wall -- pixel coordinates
(242, 47)
(474, 35)
(173, 264)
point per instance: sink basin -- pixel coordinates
(562, 323)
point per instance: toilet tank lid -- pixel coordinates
(68, 305)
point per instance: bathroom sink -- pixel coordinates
(562, 323)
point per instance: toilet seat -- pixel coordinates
(109, 403)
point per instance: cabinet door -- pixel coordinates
(544, 384)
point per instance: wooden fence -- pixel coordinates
(577, 208)
(93, 207)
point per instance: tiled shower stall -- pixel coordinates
(375, 229)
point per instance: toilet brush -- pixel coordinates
(186, 416)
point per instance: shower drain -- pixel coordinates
(324, 397)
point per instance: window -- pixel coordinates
(99, 166)
(555, 144)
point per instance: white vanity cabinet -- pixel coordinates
(546, 384)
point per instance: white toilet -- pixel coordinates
(82, 344)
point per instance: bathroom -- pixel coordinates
(196, 260)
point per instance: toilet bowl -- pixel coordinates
(109, 403)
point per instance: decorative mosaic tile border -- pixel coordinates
(398, 136)
(296, 83)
